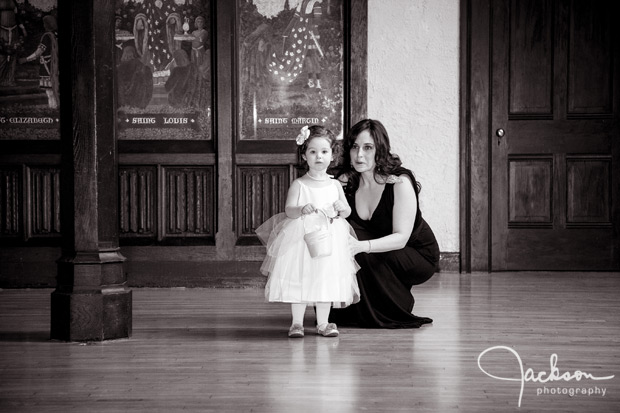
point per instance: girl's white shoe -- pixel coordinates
(328, 330)
(296, 331)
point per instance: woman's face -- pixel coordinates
(319, 154)
(363, 153)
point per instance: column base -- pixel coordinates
(91, 315)
(91, 301)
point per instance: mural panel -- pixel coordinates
(163, 66)
(29, 70)
(291, 67)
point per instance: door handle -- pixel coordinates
(500, 134)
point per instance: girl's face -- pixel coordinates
(363, 152)
(318, 154)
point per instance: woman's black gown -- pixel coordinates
(385, 279)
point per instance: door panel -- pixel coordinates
(261, 192)
(590, 60)
(530, 59)
(137, 201)
(167, 187)
(588, 190)
(290, 75)
(531, 191)
(555, 143)
(189, 209)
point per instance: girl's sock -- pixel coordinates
(322, 313)
(298, 310)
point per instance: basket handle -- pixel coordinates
(319, 210)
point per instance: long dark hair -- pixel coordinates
(317, 131)
(386, 163)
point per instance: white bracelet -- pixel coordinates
(369, 246)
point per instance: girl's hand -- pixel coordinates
(308, 209)
(339, 206)
(356, 246)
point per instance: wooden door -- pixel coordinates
(554, 144)
(290, 74)
(194, 193)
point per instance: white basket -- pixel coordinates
(319, 242)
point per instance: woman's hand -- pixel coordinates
(356, 246)
(308, 209)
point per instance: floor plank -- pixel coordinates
(220, 350)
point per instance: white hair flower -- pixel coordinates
(304, 134)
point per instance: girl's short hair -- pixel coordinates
(317, 131)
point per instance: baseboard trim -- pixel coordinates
(450, 262)
(220, 274)
(26, 270)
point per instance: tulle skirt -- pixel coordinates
(296, 277)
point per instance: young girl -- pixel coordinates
(315, 200)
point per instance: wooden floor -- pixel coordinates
(220, 350)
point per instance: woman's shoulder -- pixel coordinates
(402, 182)
(399, 179)
(400, 175)
(393, 179)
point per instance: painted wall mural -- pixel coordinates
(29, 97)
(290, 68)
(291, 59)
(163, 66)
